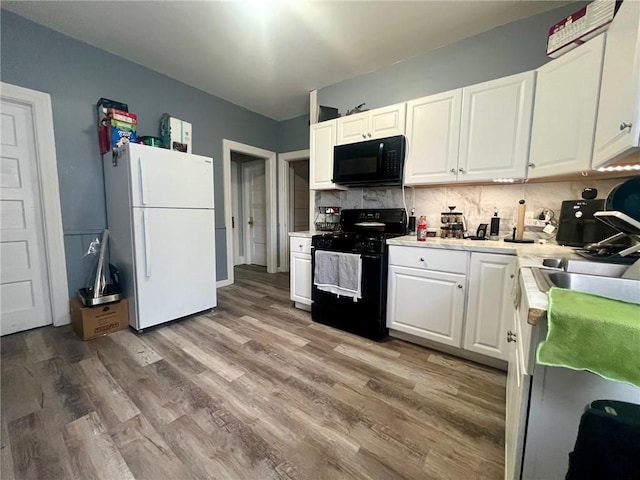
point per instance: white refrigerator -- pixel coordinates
(161, 221)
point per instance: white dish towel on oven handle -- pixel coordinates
(338, 273)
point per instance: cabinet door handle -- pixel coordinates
(422, 259)
(531, 165)
(625, 125)
(369, 135)
(459, 285)
(461, 170)
(511, 276)
(511, 337)
(453, 170)
(364, 136)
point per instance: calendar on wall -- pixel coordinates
(580, 26)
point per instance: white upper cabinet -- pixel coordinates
(618, 127)
(564, 115)
(496, 128)
(378, 123)
(322, 138)
(433, 133)
(472, 134)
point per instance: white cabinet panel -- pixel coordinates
(427, 304)
(433, 133)
(496, 128)
(490, 307)
(300, 270)
(321, 142)
(620, 92)
(429, 259)
(387, 121)
(565, 110)
(378, 123)
(353, 128)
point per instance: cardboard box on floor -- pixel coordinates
(92, 322)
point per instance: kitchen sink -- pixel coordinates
(612, 287)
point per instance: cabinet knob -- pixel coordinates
(625, 125)
(364, 136)
(461, 170)
(301, 247)
(531, 165)
(511, 276)
(459, 285)
(369, 135)
(511, 337)
(422, 259)
(453, 170)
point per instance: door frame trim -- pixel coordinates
(45, 148)
(283, 202)
(271, 192)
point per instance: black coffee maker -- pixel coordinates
(577, 226)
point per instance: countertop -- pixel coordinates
(307, 234)
(524, 251)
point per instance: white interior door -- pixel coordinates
(24, 286)
(255, 208)
(175, 263)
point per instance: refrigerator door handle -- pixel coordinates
(147, 243)
(143, 181)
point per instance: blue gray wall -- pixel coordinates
(294, 134)
(512, 48)
(76, 75)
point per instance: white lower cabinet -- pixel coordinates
(300, 270)
(490, 307)
(518, 383)
(426, 303)
(452, 297)
(426, 293)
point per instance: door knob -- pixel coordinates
(625, 125)
(250, 222)
(511, 337)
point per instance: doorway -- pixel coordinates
(33, 278)
(294, 199)
(249, 207)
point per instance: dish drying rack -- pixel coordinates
(627, 226)
(328, 219)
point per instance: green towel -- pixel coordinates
(587, 332)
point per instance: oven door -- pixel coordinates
(365, 317)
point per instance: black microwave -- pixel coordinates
(374, 162)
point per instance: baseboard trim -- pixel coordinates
(458, 352)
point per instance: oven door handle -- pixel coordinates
(372, 257)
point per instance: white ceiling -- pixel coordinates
(268, 55)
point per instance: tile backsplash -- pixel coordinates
(477, 202)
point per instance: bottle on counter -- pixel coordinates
(421, 234)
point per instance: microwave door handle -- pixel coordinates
(380, 155)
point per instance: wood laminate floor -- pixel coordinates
(256, 391)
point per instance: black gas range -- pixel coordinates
(363, 234)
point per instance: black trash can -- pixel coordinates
(608, 442)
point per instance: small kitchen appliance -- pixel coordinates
(370, 163)
(363, 232)
(578, 226)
